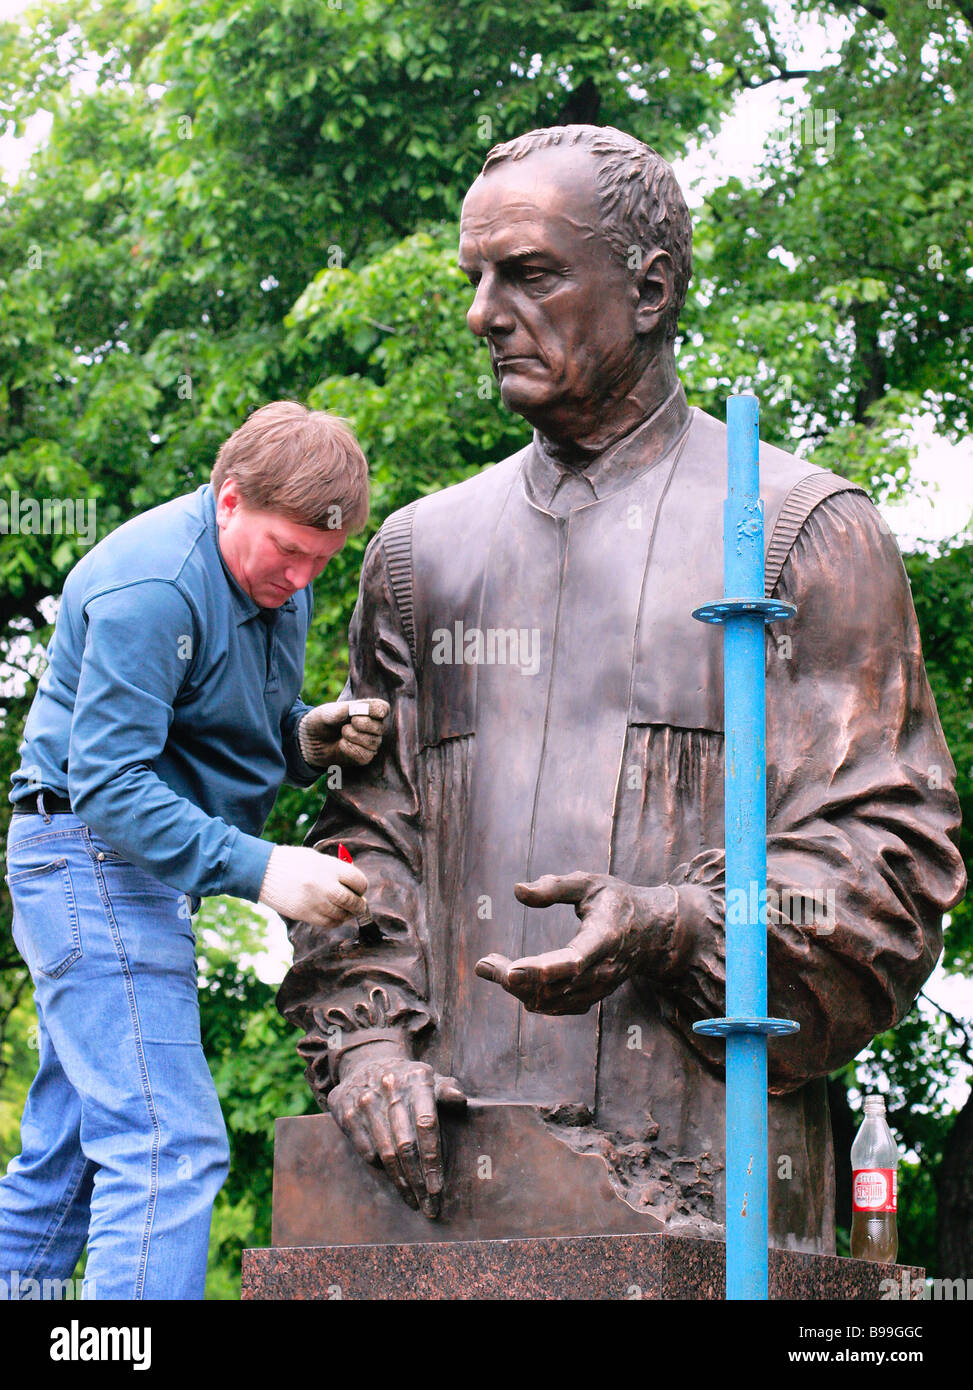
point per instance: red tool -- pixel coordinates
(369, 932)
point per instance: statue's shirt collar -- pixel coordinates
(550, 481)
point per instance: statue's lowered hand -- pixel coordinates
(621, 926)
(344, 734)
(386, 1103)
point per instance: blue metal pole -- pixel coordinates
(746, 861)
(744, 611)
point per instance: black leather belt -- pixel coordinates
(45, 801)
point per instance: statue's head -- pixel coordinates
(578, 242)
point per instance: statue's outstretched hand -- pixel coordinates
(620, 927)
(386, 1103)
(344, 734)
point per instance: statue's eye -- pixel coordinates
(535, 274)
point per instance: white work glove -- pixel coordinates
(311, 887)
(344, 734)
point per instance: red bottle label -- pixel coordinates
(874, 1189)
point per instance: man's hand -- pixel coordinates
(621, 926)
(307, 886)
(332, 735)
(386, 1104)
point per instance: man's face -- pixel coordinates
(556, 307)
(269, 556)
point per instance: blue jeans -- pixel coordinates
(123, 1141)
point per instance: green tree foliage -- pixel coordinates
(242, 201)
(837, 284)
(942, 588)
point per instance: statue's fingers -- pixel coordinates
(449, 1093)
(493, 967)
(376, 1113)
(553, 888)
(578, 995)
(546, 969)
(564, 1005)
(355, 1127)
(403, 1130)
(591, 944)
(426, 1124)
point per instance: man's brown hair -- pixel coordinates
(306, 465)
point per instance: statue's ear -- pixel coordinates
(656, 281)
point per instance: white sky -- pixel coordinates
(944, 505)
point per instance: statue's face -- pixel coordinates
(556, 306)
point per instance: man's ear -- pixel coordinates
(227, 500)
(656, 281)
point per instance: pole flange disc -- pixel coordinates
(720, 610)
(726, 1027)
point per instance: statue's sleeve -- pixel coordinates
(339, 985)
(863, 820)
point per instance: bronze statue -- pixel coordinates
(555, 747)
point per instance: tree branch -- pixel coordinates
(785, 75)
(783, 72)
(876, 11)
(866, 318)
(960, 1024)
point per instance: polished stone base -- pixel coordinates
(655, 1267)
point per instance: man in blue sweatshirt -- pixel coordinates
(160, 733)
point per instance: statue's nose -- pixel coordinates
(489, 312)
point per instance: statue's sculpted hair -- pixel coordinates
(642, 206)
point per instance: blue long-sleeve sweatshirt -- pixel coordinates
(169, 707)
